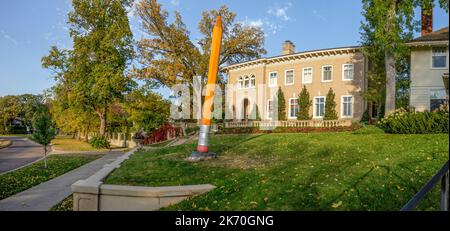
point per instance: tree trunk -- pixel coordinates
(102, 115)
(86, 135)
(390, 83)
(45, 156)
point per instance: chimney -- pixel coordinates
(427, 19)
(288, 48)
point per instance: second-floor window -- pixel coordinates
(327, 73)
(246, 82)
(273, 79)
(307, 75)
(347, 72)
(289, 77)
(439, 57)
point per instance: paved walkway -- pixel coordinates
(44, 196)
(21, 152)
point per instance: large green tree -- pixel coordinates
(93, 74)
(146, 109)
(387, 26)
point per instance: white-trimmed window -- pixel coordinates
(319, 106)
(240, 82)
(439, 57)
(269, 109)
(307, 75)
(273, 78)
(252, 81)
(347, 72)
(293, 108)
(346, 106)
(437, 98)
(246, 82)
(327, 73)
(289, 77)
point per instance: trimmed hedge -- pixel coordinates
(99, 142)
(404, 122)
(254, 130)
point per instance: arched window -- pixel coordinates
(252, 81)
(240, 83)
(246, 82)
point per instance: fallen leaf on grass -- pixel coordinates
(336, 205)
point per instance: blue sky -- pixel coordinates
(28, 28)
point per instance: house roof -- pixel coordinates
(294, 56)
(437, 36)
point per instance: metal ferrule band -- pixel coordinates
(203, 135)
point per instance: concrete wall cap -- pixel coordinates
(164, 191)
(86, 186)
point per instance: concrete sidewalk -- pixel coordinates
(45, 195)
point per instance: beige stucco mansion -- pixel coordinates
(342, 69)
(345, 70)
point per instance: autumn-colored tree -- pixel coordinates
(169, 56)
(330, 106)
(304, 104)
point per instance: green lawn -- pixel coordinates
(27, 177)
(66, 143)
(64, 205)
(362, 170)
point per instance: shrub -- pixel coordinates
(304, 103)
(403, 122)
(281, 105)
(99, 142)
(330, 107)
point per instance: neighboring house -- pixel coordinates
(429, 65)
(342, 69)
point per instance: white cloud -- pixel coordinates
(253, 23)
(8, 37)
(280, 11)
(268, 26)
(175, 2)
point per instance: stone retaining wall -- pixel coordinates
(92, 195)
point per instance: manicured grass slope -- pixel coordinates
(27, 177)
(362, 170)
(65, 143)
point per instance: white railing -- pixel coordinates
(290, 123)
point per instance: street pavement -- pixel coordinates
(21, 152)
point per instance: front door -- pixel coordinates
(246, 109)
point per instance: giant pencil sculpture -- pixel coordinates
(205, 123)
